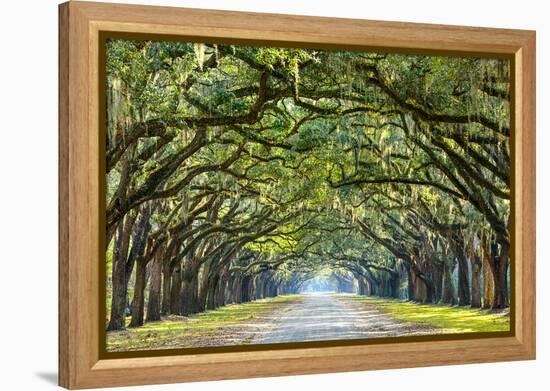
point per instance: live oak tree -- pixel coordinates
(236, 173)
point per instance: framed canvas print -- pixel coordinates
(248, 195)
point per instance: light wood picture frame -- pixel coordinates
(81, 364)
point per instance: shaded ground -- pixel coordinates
(230, 325)
(308, 317)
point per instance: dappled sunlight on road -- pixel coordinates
(330, 316)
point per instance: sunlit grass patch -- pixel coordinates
(450, 318)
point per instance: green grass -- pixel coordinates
(224, 326)
(237, 324)
(451, 319)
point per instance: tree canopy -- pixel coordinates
(237, 172)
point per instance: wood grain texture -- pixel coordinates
(526, 187)
(63, 220)
(80, 23)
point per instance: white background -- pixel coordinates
(28, 192)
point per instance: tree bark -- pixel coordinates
(488, 280)
(118, 302)
(463, 281)
(153, 304)
(193, 308)
(138, 301)
(394, 284)
(259, 287)
(188, 296)
(499, 268)
(380, 286)
(447, 295)
(411, 291)
(245, 289)
(438, 280)
(203, 288)
(476, 281)
(430, 291)
(236, 284)
(176, 295)
(220, 291)
(139, 239)
(166, 288)
(211, 295)
(361, 285)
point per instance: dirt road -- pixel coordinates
(328, 316)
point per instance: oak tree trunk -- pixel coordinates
(476, 281)
(118, 302)
(488, 280)
(447, 295)
(203, 288)
(138, 301)
(153, 304)
(411, 291)
(245, 289)
(499, 268)
(166, 288)
(211, 298)
(438, 281)
(462, 262)
(176, 292)
(394, 285)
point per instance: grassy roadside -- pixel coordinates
(450, 319)
(229, 325)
